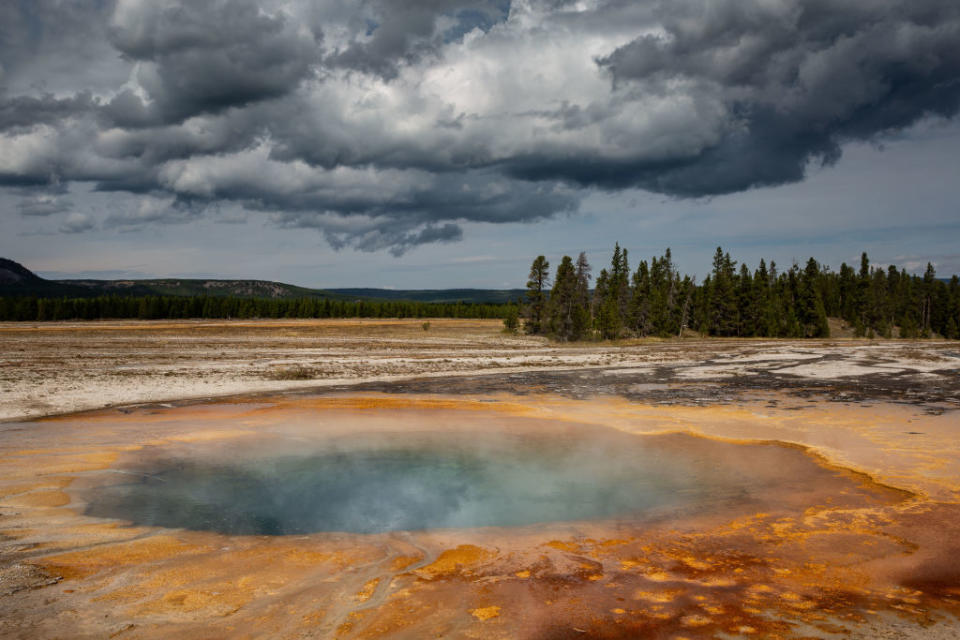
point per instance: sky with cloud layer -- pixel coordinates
(445, 143)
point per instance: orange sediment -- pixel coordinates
(870, 527)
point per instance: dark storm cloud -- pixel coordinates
(386, 125)
(205, 57)
(397, 237)
(52, 45)
(17, 180)
(154, 146)
(369, 210)
(798, 79)
(415, 195)
(398, 33)
(27, 111)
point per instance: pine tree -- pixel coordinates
(952, 311)
(862, 300)
(640, 320)
(848, 296)
(723, 303)
(537, 283)
(672, 294)
(605, 310)
(582, 317)
(511, 318)
(879, 312)
(687, 292)
(928, 295)
(766, 313)
(620, 284)
(787, 286)
(703, 306)
(563, 298)
(746, 311)
(810, 308)
(612, 295)
(663, 295)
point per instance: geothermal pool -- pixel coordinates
(290, 471)
(388, 482)
(377, 471)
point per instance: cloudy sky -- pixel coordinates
(445, 143)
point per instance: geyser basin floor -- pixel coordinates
(765, 540)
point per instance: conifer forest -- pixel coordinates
(570, 303)
(733, 300)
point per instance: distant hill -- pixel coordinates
(15, 273)
(198, 287)
(435, 295)
(17, 280)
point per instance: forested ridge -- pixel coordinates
(221, 307)
(652, 300)
(26, 296)
(655, 300)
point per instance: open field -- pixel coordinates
(851, 528)
(49, 368)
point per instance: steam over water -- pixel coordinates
(387, 482)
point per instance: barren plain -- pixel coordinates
(852, 529)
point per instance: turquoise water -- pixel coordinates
(378, 483)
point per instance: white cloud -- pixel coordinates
(77, 223)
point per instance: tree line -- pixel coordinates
(217, 307)
(655, 300)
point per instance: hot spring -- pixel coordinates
(416, 516)
(373, 482)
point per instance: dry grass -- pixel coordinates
(295, 372)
